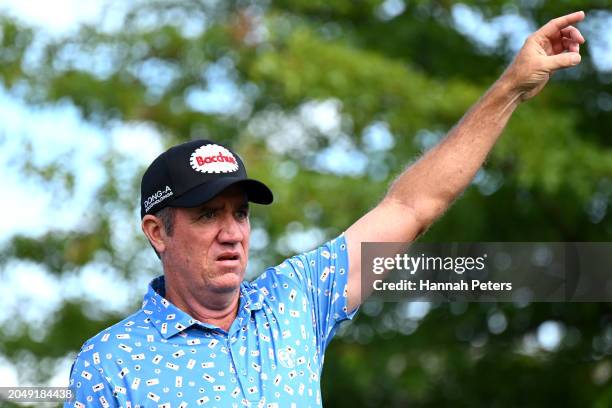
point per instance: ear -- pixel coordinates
(153, 228)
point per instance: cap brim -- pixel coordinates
(256, 191)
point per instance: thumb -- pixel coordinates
(563, 60)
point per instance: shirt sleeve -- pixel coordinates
(89, 387)
(323, 275)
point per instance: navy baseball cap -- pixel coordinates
(189, 174)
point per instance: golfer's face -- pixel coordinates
(210, 243)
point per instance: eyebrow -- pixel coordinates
(205, 207)
(210, 207)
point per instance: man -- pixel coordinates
(204, 336)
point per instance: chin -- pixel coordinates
(228, 282)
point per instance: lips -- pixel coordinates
(228, 257)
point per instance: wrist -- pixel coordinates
(508, 85)
(506, 93)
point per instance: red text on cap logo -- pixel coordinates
(213, 158)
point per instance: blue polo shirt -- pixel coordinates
(271, 356)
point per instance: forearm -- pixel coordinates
(429, 186)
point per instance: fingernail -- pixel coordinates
(576, 59)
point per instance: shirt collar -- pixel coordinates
(170, 320)
(166, 317)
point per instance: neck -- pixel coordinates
(218, 309)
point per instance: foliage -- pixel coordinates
(410, 76)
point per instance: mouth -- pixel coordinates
(229, 258)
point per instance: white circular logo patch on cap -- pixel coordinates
(213, 158)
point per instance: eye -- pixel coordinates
(207, 214)
(242, 214)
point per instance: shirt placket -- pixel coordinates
(242, 360)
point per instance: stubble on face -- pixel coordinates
(208, 251)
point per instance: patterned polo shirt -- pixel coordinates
(271, 356)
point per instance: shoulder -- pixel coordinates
(305, 270)
(288, 273)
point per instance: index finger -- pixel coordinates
(553, 27)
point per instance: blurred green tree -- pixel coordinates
(327, 102)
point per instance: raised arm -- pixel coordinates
(427, 188)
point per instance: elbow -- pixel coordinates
(427, 214)
(432, 209)
(423, 213)
(417, 217)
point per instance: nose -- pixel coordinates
(231, 231)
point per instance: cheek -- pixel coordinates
(247, 239)
(191, 249)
